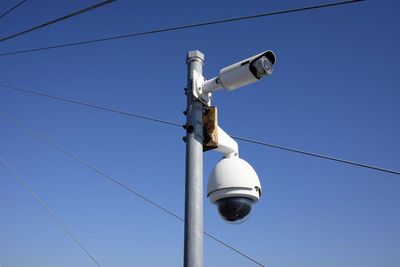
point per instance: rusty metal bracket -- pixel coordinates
(210, 130)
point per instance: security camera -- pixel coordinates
(233, 186)
(242, 73)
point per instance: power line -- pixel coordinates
(73, 14)
(170, 29)
(317, 155)
(52, 214)
(91, 105)
(119, 183)
(257, 142)
(232, 248)
(11, 9)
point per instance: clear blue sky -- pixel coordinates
(334, 90)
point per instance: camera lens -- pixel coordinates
(234, 209)
(261, 67)
(266, 65)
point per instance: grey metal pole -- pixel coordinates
(193, 244)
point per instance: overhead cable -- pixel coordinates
(11, 9)
(91, 105)
(73, 14)
(248, 140)
(119, 183)
(50, 211)
(303, 152)
(187, 26)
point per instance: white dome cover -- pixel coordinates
(233, 177)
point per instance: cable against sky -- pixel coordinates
(46, 24)
(187, 26)
(256, 142)
(12, 9)
(119, 183)
(303, 152)
(50, 211)
(91, 105)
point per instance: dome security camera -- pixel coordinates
(234, 187)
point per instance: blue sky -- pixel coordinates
(334, 90)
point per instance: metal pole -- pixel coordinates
(193, 247)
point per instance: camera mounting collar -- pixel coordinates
(197, 87)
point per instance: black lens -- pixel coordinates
(234, 209)
(261, 67)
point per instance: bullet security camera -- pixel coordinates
(242, 73)
(233, 186)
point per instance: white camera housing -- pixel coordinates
(242, 73)
(234, 187)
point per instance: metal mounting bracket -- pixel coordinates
(198, 93)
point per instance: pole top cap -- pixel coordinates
(194, 54)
